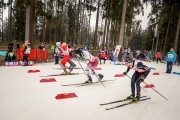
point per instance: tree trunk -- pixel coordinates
(109, 21)
(104, 35)
(105, 27)
(107, 33)
(121, 35)
(90, 14)
(62, 24)
(167, 32)
(111, 34)
(78, 23)
(89, 25)
(157, 41)
(96, 29)
(152, 48)
(2, 23)
(177, 33)
(44, 25)
(30, 15)
(10, 22)
(82, 27)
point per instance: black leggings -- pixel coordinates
(135, 82)
(25, 60)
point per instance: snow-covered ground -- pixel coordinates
(24, 97)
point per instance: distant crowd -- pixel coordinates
(112, 54)
(125, 53)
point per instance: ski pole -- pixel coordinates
(90, 68)
(157, 91)
(94, 73)
(81, 65)
(140, 86)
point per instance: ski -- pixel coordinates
(93, 83)
(75, 84)
(129, 103)
(123, 100)
(66, 68)
(86, 83)
(62, 74)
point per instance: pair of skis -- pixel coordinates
(131, 101)
(62, 74)
(85, 84)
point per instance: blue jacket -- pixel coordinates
(171, 57)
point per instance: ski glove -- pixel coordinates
(125, 73)
(142, 78)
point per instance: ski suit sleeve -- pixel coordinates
(128, 69)
(145, 73)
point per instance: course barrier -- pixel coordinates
(35, 54)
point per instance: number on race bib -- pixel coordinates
(170, 56)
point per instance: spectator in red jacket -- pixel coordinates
(158, 57)
(102, 56)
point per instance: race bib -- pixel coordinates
(170, 56)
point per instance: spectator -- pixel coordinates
(57, 52)
(26, 53)
(52, 48)
(125, 52)
(128, 50)
(102, 56)
(42, 51)
(11, 56)
(153, 56)
(120, 55)
(170, 58)
(42, 46)
(158, 57)
(112, 57)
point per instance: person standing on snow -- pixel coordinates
(57, 52)
(158, 57)
(171, 59)
(141, 72)
(26, 53)
(102, 56)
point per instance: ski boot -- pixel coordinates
(136, 99)
(89, 80)
(70, 70)
(64, 73)
(131, 97)
(74, 65)
(100, 76)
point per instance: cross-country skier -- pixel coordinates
(91, 65)
(66, 52)
(141, 72)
